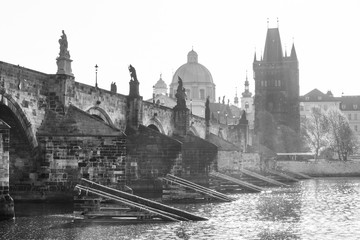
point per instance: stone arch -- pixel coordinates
(193, 131)
(8, 101)
(23, 145)
(100, 114)
(156, 123)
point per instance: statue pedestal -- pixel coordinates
(181, 120)
(64, 66)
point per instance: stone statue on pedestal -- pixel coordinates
(63, 61)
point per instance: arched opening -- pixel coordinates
(153, 127)
(100, 114)
(20, 148)
(193, 131)
(155, 124)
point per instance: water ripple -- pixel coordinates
(312, 209)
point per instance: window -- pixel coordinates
(187, 92)
(265, 83)
(355, 116)
(262, 83)
(279, 83)
(307, 98)
(355, 106)
(349, 116)
(202, 94)
(343, 106)
(319, 97)
(356, 128)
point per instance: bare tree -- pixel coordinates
(315, 129)
(343, 140)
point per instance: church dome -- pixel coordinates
(160, 83)
(192, 71)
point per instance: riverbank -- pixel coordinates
(323, 168)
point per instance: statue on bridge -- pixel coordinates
(207, 110)
(180, 95)
(134, 83)
(133, 73)
(64, 46)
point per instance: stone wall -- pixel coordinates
(322, 168)
(151, 155)
(66, 159)
(228, 161)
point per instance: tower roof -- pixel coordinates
(293, 53)
(273, 50)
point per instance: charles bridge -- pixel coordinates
(56, 130)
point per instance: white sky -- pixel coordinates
(155, 37)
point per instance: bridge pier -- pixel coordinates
(6, 202)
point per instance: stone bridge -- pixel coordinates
(55, 130)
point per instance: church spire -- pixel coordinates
(236, 99)
(293, 52)
(247, 92)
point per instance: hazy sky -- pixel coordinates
(155, 37)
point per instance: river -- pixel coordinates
(326, 208)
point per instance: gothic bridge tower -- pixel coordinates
(277, 84)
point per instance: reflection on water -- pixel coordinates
(311, 209)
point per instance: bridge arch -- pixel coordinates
(155, 124)
(100, 114)
(23, 144)
(193, 131)
(16, 113)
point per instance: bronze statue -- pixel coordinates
(180, 94)
(132, 73)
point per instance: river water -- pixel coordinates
(327, 208)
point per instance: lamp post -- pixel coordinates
(218, 116)
(96, 69)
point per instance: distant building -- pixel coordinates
(198, 83)
(349, 105)
(277, 83)
(247, 104)
(316, 98)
